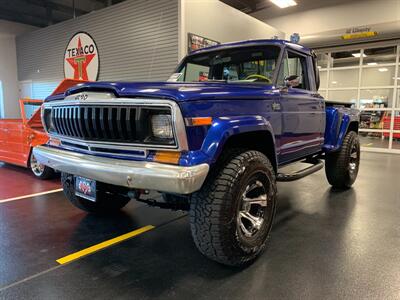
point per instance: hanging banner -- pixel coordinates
(196, 42)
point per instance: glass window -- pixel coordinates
(252, 65)
(376, 98)
(323, 76)
(343, 78)
(377, 76)
(295, 71)
(376, 56)
(396, 121)
(396, 141)
(346, 58)
(322, 60)
(376, 119)
(396, 134)
(30, 108)
(194, 72)
(397, 104)
(374, 139)
(344, 96)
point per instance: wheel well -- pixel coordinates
(28, 163)
(258, 140)
(353, 126)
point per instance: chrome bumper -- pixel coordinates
(132, 174)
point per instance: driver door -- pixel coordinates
(303, 110)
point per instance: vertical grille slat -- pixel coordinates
(103, 120)
(119, 124)
(94, 125)
(82, 121)
(128, 123)
(56, 124)
(87, 121)
(65, 121)
(110, 123)
(113, 123)
(71, 118)
(61, 121)
(76, 122)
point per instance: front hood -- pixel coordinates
(174, 91)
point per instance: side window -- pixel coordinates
(294, 70)
(194, 73)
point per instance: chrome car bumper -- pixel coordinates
(132, 174)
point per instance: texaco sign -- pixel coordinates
(81, 58)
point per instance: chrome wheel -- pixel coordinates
(354, 159)
(36, 167)
(251, 216)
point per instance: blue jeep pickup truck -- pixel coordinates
(212, 140)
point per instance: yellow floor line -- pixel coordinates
(105, 244)
(30, 196)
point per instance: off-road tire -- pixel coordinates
(337, 164)
(47, 173)
(215, 208)
(106, 202)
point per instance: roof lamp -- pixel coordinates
(284, 3)
(383, 69)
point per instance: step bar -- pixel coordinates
(316, 165)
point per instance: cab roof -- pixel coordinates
(249, 43)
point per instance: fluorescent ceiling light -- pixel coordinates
(383, 69)
(358, 54)
(372, 64)
(284, 3)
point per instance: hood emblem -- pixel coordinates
(81, 97)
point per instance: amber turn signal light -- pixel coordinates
(170, 157)
(199, 121)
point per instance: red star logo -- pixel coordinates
(80, 62)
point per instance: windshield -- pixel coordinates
(252, 65)
(30, 108)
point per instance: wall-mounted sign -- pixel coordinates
(81, 58)
(196, 42)
(358, 33)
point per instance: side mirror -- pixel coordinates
(292, 81)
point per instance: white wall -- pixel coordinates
(8, 65)
(355, 13)
(220, 22)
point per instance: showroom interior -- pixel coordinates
(79, 78)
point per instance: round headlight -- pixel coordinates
(161, 125)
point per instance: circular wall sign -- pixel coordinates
(81, 58)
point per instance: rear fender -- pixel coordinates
(338, 120)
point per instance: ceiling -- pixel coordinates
(42, 13)
(265, 9)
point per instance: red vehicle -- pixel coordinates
(19, 136)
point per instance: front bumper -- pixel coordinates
(132, 174)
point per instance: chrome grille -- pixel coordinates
(122, 124)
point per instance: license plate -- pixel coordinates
(85, 188)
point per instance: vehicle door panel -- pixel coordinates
(302, 119)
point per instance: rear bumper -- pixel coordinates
(132, 174)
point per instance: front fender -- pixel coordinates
(220, 131)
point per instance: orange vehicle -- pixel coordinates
(19, 136)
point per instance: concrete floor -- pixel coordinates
(324, 245)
